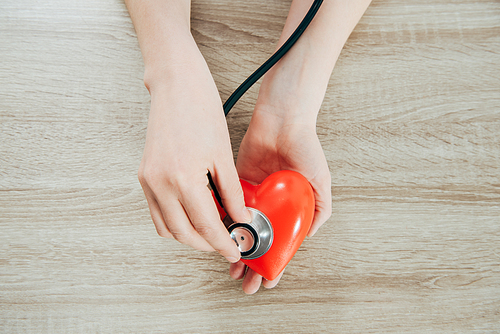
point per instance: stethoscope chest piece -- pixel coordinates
(254, 238)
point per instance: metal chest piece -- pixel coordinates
(253, 239)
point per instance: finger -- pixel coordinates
(251, 282)
(322, 212)
(156, 216)
(321, 215)
(271, 284)
(180, 227)
(237, 270)
(159, 222)
(229, 187)
(202, 212)
(323, 195)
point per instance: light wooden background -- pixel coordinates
(410, 126)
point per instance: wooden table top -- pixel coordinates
(410, 126)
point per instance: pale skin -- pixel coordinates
(187, 134)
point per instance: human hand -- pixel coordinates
(274, 142)
(187, 137)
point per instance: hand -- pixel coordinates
(187, 137)
(274, 143)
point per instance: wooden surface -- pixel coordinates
(410, 126)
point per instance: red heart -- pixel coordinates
(287, 199)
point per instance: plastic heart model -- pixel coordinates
(286, 199)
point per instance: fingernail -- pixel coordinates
(232, 259)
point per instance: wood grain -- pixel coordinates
(410, 126)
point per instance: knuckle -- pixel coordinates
(149, 175)
(141, 176)
(233, 191)
(156, 177)
(207, 232)
(182, 237)
(164, 234)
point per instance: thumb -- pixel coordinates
(229, 187)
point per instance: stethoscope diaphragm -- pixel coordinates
(254, 238)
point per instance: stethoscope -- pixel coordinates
(255, 238)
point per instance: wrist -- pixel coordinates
(170, 66)
(272, 124)
(293, 90)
